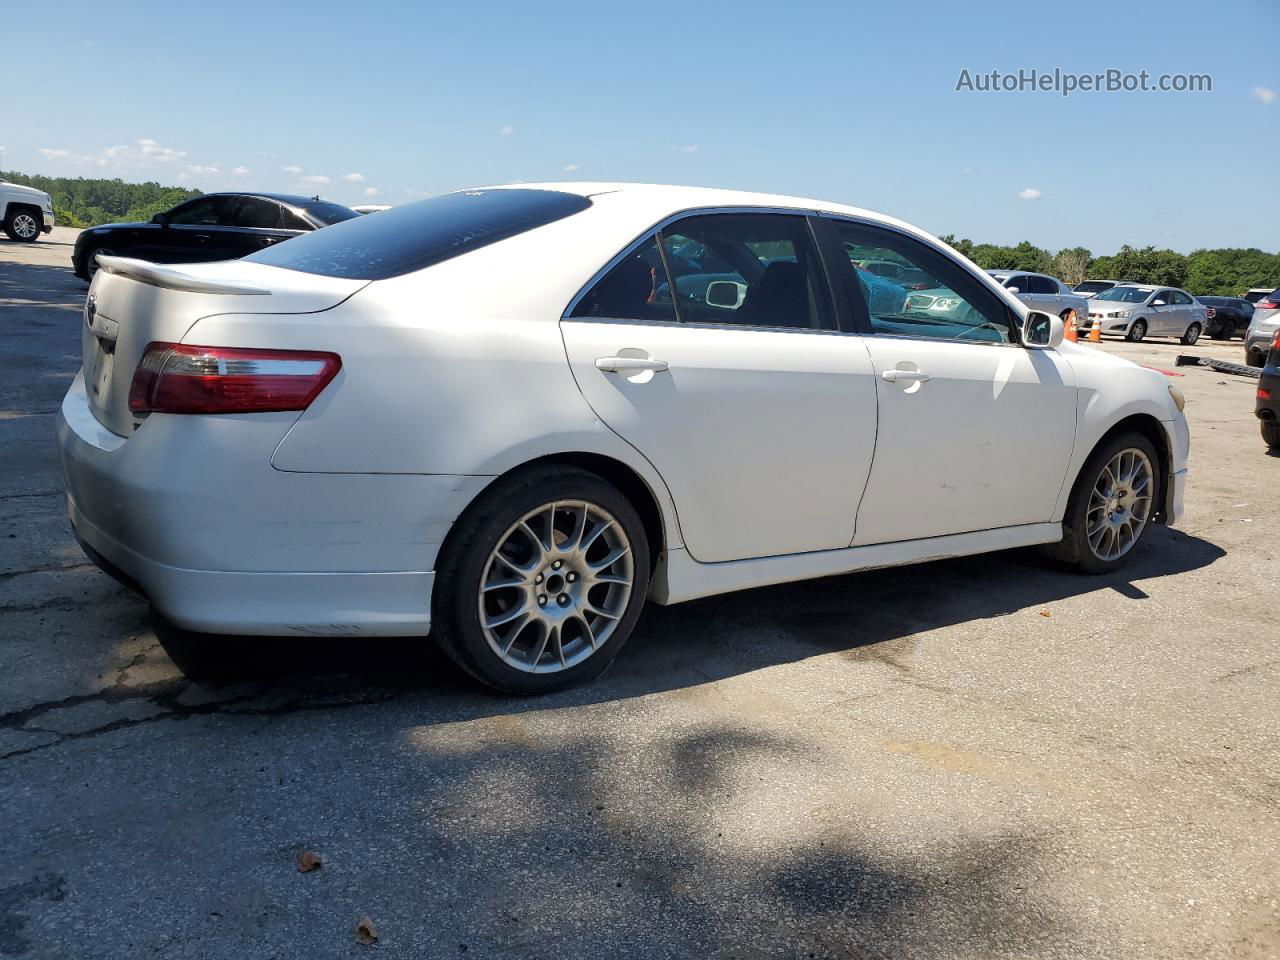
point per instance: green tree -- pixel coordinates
(1071, 265)
(85, 202)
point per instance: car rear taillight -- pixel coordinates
(180, 378)
(1264, 393)
(1267, 304)
(1275, 341)
(1210, 313)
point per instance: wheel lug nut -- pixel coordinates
(542, 599)
(563, 599)
(538, 578)
(557, 565)
(572, 578)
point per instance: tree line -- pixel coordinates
(84, 202)
(1223, 272)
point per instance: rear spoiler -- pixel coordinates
(161, 275)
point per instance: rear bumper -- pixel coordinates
(190, 510)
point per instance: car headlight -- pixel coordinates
(1122, 314)
(945, 303)
(1179, 400)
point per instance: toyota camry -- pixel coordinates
(508, 417)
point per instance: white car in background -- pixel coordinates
(1039, 291)
(1135, 311)
(1262, 328)
(25, 212)
(510, 415)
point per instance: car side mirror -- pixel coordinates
(158, 218)
(1042, 330)
(1157, 303)
(1013, 290)
(725, 293)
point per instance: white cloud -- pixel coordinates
(240, 171)
(353, 177)
(315, 178)
(292, 168)
(685, 148)
(370, 191)
(53, 153)
(1031, 193)
(152, 150)
(570, 168)
(199, 170)
(1264, 95)
(507, 130)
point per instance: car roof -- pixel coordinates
(1020, 273)
(669, 199)
(293, 199)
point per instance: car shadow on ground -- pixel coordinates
(706, 640)
(42, 285)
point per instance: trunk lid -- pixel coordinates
(133, 303)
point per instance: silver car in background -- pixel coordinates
(1039, 291)
(1262, 329)
(1133, 310)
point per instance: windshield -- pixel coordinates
(1092, 286)
(1126, 294)
(417, 235)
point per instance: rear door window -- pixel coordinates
(417, 235)
(635, 289)
(1042, 285)
(257, 213)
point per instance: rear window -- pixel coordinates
(326, 212)
(418, 235)
(1093, 286)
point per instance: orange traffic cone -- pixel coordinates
(1070, 332)
(1095, 332)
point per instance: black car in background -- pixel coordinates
(1267, 406)
(215, 226)
(1231, 316)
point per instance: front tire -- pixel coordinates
(1191, 334)
(23, 225)
(1111, 505)
(1271, 435)
(1137, 331)
(541, 581)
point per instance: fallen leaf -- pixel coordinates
(1045, 613)
(366, 932)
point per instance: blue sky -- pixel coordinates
(856, 102)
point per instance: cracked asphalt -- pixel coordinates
(976, 758)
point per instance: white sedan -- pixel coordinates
(510, 415)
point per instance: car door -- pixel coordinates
(256, 224)
(1163, 317)
(1187, 313)
(711, 348)
(975, 431)
(196, 231)
(1044, 295)
(1020, 283)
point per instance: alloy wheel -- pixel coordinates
(556, 586)
(1120, 504)
(25, 226)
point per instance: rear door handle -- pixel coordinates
(904, 376)
(629, 364)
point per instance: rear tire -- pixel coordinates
(201, 657)
(91, 262)
(1137, 331)
(23, 224)
(1253, 358)
(512, 558)
(1271, 435)
(1191, 334)
(1088, 505)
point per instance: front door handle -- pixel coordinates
(904, 376)
(629, 364)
